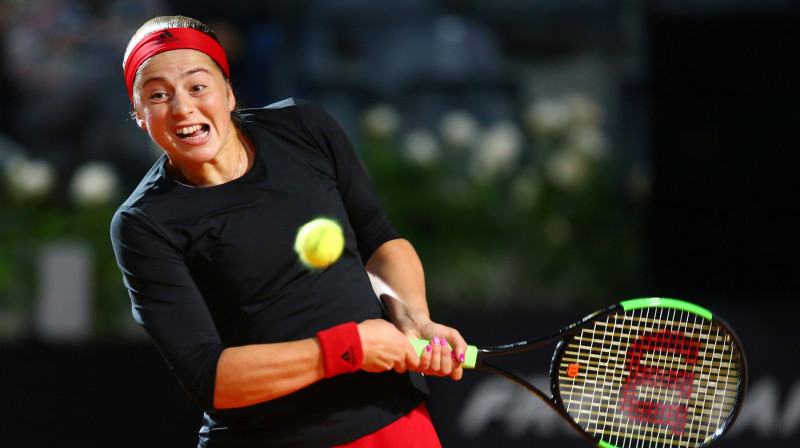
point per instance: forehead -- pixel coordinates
(175, 63)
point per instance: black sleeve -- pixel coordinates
(167, 303)
(371, 225)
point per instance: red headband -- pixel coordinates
(172, 39)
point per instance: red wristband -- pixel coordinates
(341, 349)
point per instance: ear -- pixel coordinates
(140, 122)
(231, 99)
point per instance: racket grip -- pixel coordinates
(470, 357)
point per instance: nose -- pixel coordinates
(181, 104)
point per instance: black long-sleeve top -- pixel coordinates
(209, 268)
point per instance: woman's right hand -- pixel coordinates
(385, 347)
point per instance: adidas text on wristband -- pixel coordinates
(341, 349)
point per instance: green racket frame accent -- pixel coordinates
(634, 304)
(603, 444)
(470, 357)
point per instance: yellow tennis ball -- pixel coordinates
(319, 243)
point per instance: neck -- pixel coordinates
(232, 163)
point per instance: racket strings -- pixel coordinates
(651, 377)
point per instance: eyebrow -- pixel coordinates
(183, 75)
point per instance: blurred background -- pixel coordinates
(546, 158)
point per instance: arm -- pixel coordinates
(256, 373)
(397, 265)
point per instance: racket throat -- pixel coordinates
(489, 367)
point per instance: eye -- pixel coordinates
(197, 88)
(156, 96)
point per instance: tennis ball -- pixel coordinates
(319, 243)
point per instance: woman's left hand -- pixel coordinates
(445, 352)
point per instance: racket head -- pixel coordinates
(650, 372)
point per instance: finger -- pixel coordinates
(447, 356)
(459, 346)
(400, 365)
(457, 372)
(425, 358)
(436, 354)
(412, 360)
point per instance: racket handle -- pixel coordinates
(470, 357)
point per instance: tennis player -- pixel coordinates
(276, 355)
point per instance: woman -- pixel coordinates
(275, 354)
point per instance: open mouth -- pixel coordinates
(194, 132)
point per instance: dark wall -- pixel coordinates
(725, 140)
(120, 395)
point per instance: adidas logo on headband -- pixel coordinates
(165, 37)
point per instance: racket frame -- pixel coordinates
(480, 358)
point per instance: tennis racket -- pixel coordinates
(650, 372)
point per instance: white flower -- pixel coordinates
(584, 110)
(499, 150)
(567, 169)
(459, 129)
(588, 140)
(94, 183)
(29, 179)
(382, 121)
(547, 116)
(421, 148)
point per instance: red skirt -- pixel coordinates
(412, 430)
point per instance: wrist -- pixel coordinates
(411, 321)
(341, 349)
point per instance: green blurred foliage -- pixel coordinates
(555, 228)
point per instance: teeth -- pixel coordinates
(189, 129)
